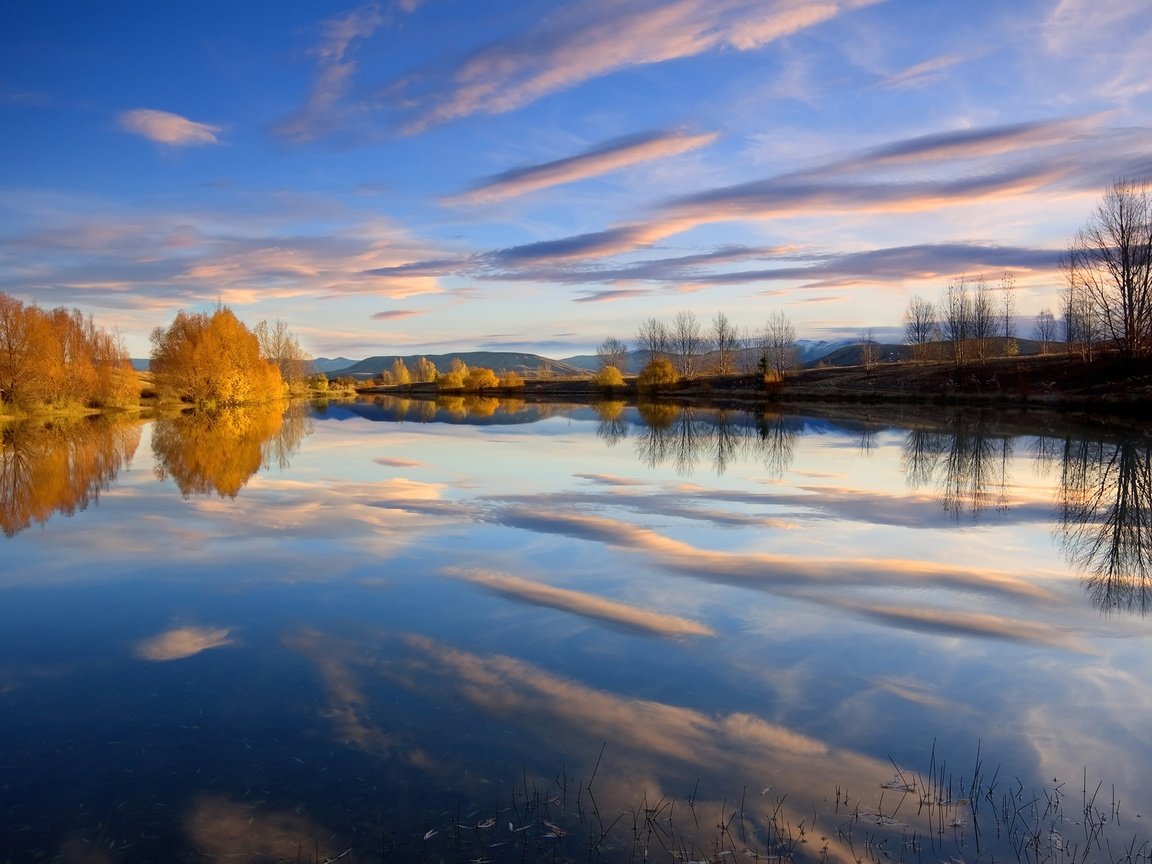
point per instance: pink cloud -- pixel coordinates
(166, 128)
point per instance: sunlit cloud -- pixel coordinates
(181, 642)
(582, 603)
(595, 38)
(166, 128)
(612, 156)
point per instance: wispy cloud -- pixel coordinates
(598, 37)
(610, 296)
(164, 127)
(582, 603)
(922, 174)
(924, 73)
(325, 109)
(611, 156)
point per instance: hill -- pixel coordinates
(331, 364)
(498, 361)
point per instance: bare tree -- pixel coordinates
(984, 319)
(1008, 310)
(1045, 330)
(956, 319)
(778, 346)
(613, 352)
(1077, 313)
(920, 326)
(726, 344)
(652, 340)
(1110, 260)
(687, 343)
(868, 349)
(278, 345)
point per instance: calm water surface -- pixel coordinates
(484, 631)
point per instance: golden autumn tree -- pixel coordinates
(61, 358)
(213, 359)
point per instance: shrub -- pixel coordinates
(609, 376)
(657, 374)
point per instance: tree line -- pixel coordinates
(688, 348)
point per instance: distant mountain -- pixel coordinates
(809, 351)
(141, 364)
(331, 364)
(498, 361)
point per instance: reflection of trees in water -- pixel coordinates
(969, 464)
(1106, 521)
(612, 428)
(685, 436)
(59, 467)
(218, 451)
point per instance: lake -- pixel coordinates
(474, 630)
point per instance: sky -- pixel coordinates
(423, 176)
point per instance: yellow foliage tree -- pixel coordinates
(479, 378)
(213, 359)
(60, 357)
(426, 371)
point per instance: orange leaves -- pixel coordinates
(60, 358)
(213, 359)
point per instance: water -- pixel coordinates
(493, 631)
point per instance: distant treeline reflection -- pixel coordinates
(219, 451)
(60, 467)
(685, 437)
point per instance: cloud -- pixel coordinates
(158, 261)
(393, 314)
(397, 463)
(181, 642)
(165, 128)
(924, 73)
(582, 603)
(771, 570)
(612, 156)
(591, 39)
(323, 110)
(610, 296)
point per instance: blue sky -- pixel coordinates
(432, 175)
